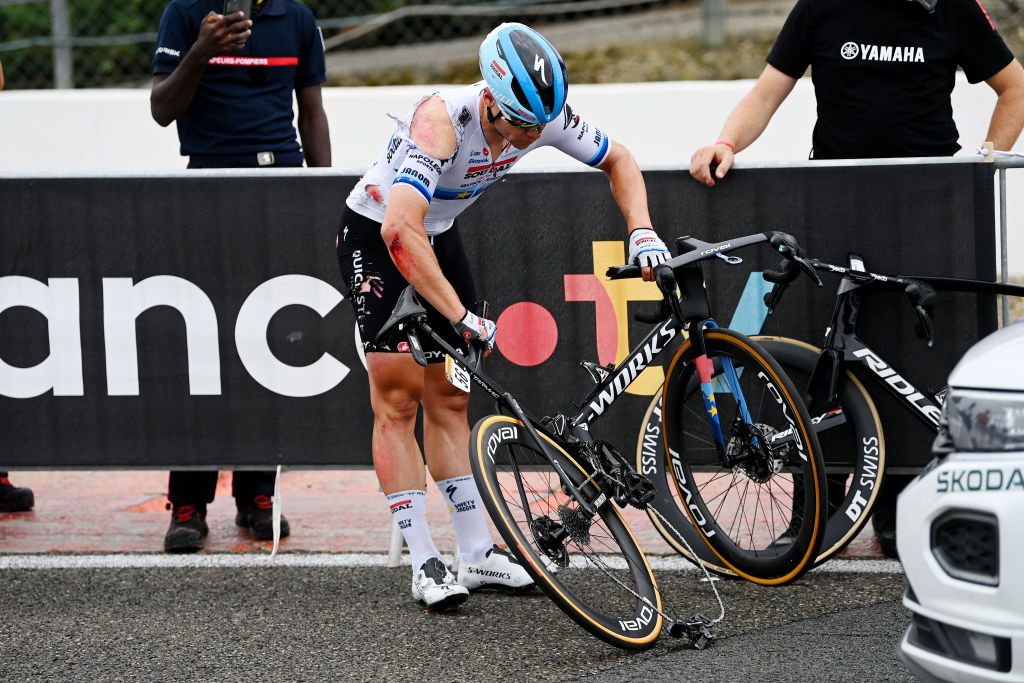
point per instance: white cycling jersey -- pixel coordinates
(450, 186)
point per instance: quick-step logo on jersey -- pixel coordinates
(881, 53)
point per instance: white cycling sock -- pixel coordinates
(408, 510)
(466, 510)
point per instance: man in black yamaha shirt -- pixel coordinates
(883, 71)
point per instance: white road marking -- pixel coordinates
(258, 561)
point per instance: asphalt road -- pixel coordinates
(359, 624)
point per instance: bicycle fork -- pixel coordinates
(705, 368)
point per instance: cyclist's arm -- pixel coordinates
(403, 230)
(744, 125)
(627, 185)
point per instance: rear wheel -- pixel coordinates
(592, 568)
(762, 514)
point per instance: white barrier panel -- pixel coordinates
(661, 122)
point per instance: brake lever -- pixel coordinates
(808, 269)
(922, 298)
(925, 322)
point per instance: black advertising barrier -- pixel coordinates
(196, 319)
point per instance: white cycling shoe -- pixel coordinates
(435, 587)
(499, 569)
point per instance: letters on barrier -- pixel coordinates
(151, 322)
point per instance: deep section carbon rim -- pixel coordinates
(852, 446)
(851, 440)
(591, 567)
(762, 515)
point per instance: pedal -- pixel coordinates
(696, 630)
(640, 490)
(598, 373)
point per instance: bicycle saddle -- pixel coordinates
(407, 308)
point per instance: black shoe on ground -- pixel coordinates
(883, 521)
(15, 498)
(887, 542)
(258, 517)
(187, 530)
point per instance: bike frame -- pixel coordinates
(692, 314)
(843, 348)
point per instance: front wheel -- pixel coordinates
(592, 568)
(756, 490)
(852, 445)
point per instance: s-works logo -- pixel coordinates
(124, 300)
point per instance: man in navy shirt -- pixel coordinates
(228, 82)
(883, 71)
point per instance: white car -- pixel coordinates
(960, 525)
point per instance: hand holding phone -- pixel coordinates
(219, 34)
(233, 6)
(244, 6)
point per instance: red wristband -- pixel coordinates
(727, 144)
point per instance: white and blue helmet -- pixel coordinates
(524, 73)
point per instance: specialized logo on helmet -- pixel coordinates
(538, 66)
(496, 68)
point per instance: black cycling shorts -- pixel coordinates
(374, 283)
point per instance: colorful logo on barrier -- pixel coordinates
(528, 333)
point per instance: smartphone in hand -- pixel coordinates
(232, 6)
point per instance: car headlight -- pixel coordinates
(985, 420)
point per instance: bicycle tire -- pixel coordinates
(854, 452)
(846, 518)
(749, 536)
(606, 585)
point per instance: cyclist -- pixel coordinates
(399, 228)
